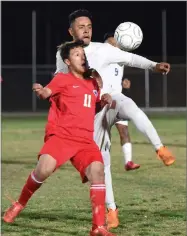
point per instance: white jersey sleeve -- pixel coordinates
(115, 55)
(60, 65)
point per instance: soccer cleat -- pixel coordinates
(165, 155)
(13, 211)
(131, 166)
(112, 218)
(101, 231)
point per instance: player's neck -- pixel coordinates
(78, 75)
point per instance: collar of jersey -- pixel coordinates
(88, 48)
(82, 81)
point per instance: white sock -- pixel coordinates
(109, 200)
(109, 190)
(127, 152)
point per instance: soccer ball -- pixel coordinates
(128, 35)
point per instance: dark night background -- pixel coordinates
(52, 29)
(52, 25)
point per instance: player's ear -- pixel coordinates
(70, 31)
(67, 62)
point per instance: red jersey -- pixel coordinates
(72, 110)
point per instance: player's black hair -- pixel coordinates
(66, 47)
(108, 35)
(79, 13)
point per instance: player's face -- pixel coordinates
(81, 29)
(77, 60)
(112, 41)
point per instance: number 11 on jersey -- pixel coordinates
(87, 100)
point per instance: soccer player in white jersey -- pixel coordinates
(100, 56)
(116, 76)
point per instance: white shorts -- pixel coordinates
(100, 126)
(122, 122)
(103, 122)
(105, 119)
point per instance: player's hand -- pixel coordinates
(37, 88)
(106, 99)
(126, 83)
(162, 67)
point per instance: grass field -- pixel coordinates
(151, 200)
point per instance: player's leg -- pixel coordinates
(89, 163)
(103, 124)
(49, 160)
(100, 127)
(45, 167)
(112, 211)
(122, 127)
(95, 175)
(129, 110)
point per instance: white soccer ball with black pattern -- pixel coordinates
(129, 36)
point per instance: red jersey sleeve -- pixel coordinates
(57, 83)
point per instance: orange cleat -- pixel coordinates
(131, 166)
(101, 231)
(112, 219)
(12, 212)
(165, 155)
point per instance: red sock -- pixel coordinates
(29, 188)
(97, 196)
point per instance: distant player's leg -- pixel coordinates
(129, 110)
(89, 163)
(122, 127)
(50, 156)
(112, 211)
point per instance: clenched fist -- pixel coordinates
(37, 88)
(106, 99)
(126, 83)
(162, 67)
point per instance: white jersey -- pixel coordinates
(114, 73)
(101, 56)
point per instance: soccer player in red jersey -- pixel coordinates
(73, 101)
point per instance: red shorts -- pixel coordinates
(80, 154)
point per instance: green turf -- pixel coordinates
(151, 200)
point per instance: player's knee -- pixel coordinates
(128, 109)
(131, 103)
(95, 172)
(45, 167)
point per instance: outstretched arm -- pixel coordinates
(41, 92)
(54, 87)
(115, 55)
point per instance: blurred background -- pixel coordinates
(31, 32)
